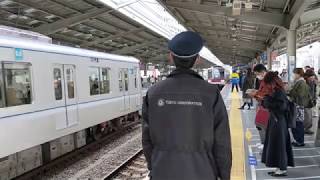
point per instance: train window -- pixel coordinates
(126, 80)
(135, 72)
(17, 83)
(70, 82)
(99, 79)
(105, 80)
(94, 80)
(120, 81)
(57, 83)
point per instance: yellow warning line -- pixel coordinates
(237, 138)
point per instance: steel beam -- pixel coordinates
(222, 55)
(54, 27)
(286, 6)
(276, 44)
(154, 51)
(229, 49)
(238, 43)
(254, 16)
(226, 58)
(111, 37)
(76, 41)
(308, 33)
(230, 53)
(159, 57)
(37, 7)
(129, 49)
(298, 8)
(226, 31)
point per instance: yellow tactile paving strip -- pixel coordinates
(237, 137)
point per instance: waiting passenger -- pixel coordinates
(186, 133)
(277, 151)
(307, 68)
(247, 84)
(241, 78)
(299, 94)
(309, 76)
(235, 80)
(262, 115)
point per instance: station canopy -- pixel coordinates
(112, 26)
(234, 31)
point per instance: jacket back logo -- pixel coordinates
(161, 102)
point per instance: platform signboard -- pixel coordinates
(253, 161)
(18, 53)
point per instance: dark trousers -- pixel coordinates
(235, 85)
(298, 132)
(307, 118)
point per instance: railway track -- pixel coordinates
(133, 168)
(68, 159)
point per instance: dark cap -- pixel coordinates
(186, 44)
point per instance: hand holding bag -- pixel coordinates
(262, 117)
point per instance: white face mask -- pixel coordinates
(260, 77)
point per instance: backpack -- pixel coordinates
(291, 114)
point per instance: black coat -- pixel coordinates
(186, 133)
(247, 84)
(277, 151)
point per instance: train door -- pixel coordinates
(71, 94)
(66, 94)
(124, 87)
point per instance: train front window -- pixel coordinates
(17, 79)
(57, 83)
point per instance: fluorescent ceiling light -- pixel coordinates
(154, 16)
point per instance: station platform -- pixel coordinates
(246, 154)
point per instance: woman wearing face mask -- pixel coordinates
(277, 151)
(264, 89)
(299, 94)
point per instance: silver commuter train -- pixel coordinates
(49, 94)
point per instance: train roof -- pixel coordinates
(52, 48)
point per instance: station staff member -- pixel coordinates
(186, 133)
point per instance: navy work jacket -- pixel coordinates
(186, 133)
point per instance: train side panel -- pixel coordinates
(45, 119)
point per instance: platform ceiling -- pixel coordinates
(237, 38)
(233, 39)
(86, 24)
